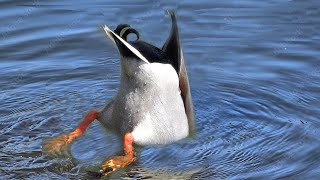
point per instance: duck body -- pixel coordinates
(153, 104)
(148, 102)
(153, 100)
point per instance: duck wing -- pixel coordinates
(173, 49)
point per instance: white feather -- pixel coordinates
(131, 48)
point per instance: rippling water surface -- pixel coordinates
(254, 69)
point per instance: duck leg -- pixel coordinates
(120, 161)
(60, 143)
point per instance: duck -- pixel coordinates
(153, 104)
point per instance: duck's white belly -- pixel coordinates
(152, 108)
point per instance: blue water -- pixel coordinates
(255, 79)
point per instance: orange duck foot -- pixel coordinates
(59, 144)
(120, 161)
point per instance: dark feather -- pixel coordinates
(153, 54)
(173, 49)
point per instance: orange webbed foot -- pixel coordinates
(115, 163)
(120, 161)
(59, 145)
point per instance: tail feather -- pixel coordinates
(122, 44)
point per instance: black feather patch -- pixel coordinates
(150, 52)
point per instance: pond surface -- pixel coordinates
(255, 78)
